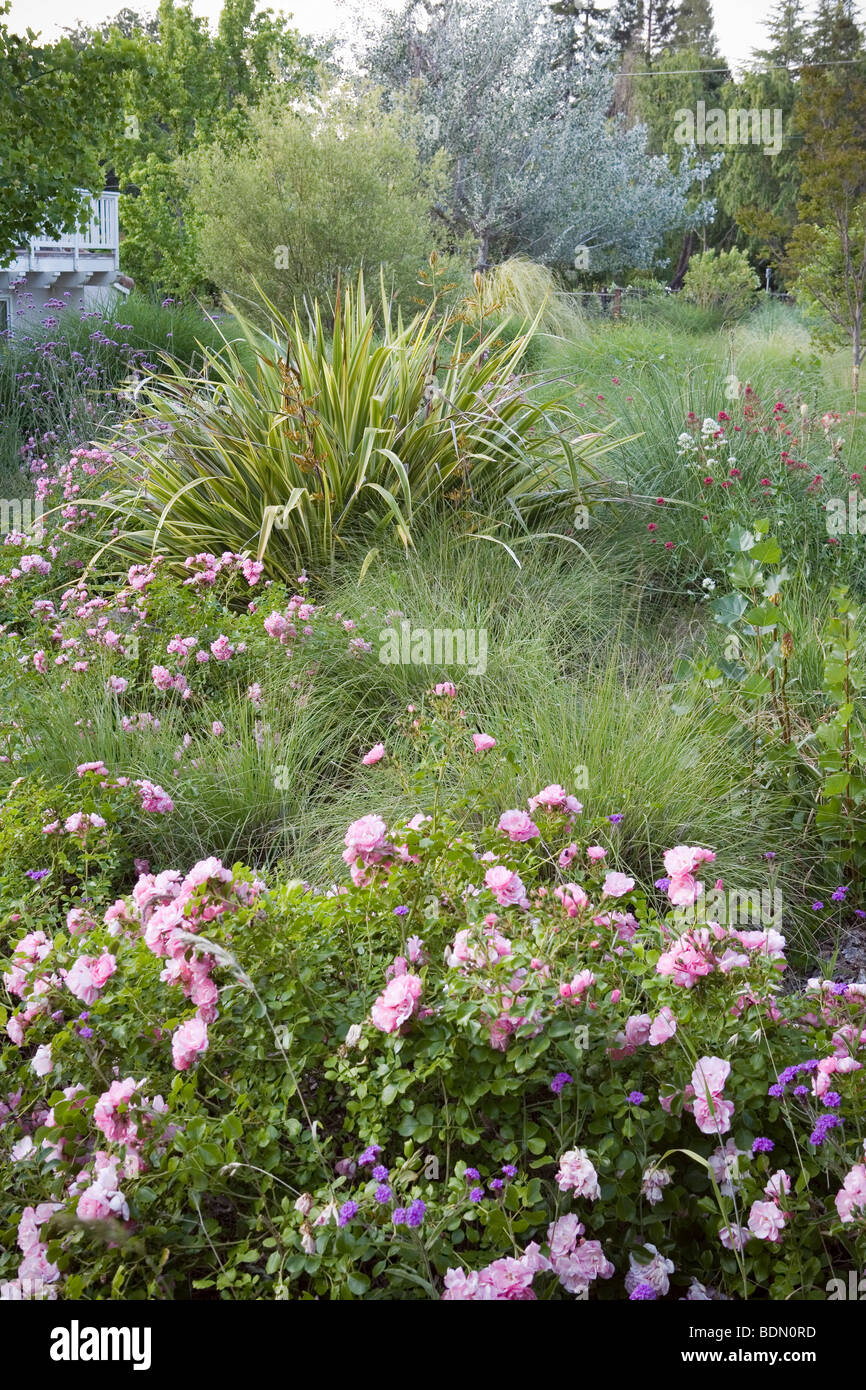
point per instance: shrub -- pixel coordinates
(555, 1087)
(722, 281)
(309, 196)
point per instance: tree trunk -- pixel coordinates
(683, 262)
(483, 251)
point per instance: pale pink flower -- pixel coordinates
(397, 1003)
(375, 755)
(518, 826)
(483, 742)
(767, 1221)
(577, 1174)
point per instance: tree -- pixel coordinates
(693, 28)
(757, 189)
(833, 35)
(582, 29)
(60, 111)
(827, 250)
(305, 196)
(190, 87)
(536, 165)
(786, 28)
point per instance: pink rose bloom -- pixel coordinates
(446, 688)
(42, 1063)
(663, 1027)
(88, 975)
(683, 859)
(733, 1237)
(222, 648)
(578, 986)
(467, 950)
(778, 1186)
(596, 852)
(483, 742)
(637, 1030)
(365, 836)
(518, 826)
(655, 1272)
(93, 1205)
(567, 855)
(765, 943)
(616, 885)
(715, 1120)
(766, 1221)
(710, 1074)
(397, 1003)
(577, 1174)
(375, 755)
(552, 798)
(187, 1042)
(684, 889)
(162, 678)
(78, 922)
(505, 885)
(851, 1198)
(102, 969)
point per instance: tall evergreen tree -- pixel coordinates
(626, 26)
(583, 29)
(693, 28)
(787, 34)
(834, 36)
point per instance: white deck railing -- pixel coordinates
(102, 233)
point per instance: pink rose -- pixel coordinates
(397, 1003)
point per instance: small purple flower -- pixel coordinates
(615, 820)
(370, 1154)
(496, 1184)
(416, 1212)
(382, 1193)
(380, 1173)
(819, 1133)
(560, 1081)
(831, 1099)
(472, 1174)
(763, 1146)
(776, 1091)
(838, 894)
(398, 1216)
(37, 874)
(509, 1170)
(770, 854)
(817, 907)
(858, 912)
(477, 1194)
(642, 1291)
(801, 1090)
(347, 1211)
(636, 1098)
(401, 911)
(663, 884)
(838, 989)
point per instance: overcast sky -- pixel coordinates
(738, 22)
